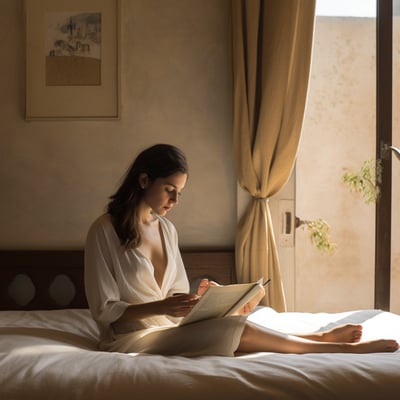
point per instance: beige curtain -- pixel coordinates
(272, 41)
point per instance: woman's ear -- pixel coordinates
(143, 180)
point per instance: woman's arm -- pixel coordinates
(174, 306)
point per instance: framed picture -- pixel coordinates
(72, 59)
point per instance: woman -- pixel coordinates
(133, 271)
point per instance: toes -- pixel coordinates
(394, 345)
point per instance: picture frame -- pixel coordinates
(72, 59)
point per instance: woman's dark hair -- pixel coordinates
(158, 161)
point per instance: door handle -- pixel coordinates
(396, 151)
(287, 222)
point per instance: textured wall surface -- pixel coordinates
(56, 176)
(338, 136)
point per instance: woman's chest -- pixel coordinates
(153, 249)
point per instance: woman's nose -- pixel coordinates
(174, 197)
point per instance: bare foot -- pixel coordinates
(374, 346)
(349, 333)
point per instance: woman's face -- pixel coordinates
(162, 194)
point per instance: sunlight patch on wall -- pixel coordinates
(346, 8)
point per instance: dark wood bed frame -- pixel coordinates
(42, 267)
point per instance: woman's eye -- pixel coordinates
(173, 191)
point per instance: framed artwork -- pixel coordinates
(72, 59)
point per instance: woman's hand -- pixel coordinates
(179, 305)
(204, 285)
(246, 309)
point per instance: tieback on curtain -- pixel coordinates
(261, 198)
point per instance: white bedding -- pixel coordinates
(53, 355)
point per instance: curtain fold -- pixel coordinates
(272, 42)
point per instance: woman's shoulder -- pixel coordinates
(102, 232)
(102, 220)
(101, 223)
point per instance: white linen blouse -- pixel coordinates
(116, 277)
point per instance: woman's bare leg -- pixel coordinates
(348, 333)
(257, 338)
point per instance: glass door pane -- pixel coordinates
(338, 137)
(395, 256)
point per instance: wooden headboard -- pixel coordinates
(53, 279)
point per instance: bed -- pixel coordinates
(48, 345)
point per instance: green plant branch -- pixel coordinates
(366, 181)
(319, 234)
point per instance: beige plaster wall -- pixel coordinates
(56, 176)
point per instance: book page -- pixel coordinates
(217, 302)
(248, 296)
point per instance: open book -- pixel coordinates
(222, 301)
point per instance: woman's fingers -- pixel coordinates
(204, 285)
(182, 304)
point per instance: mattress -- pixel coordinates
(54, 355)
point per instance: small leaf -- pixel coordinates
(366, 181)
(319, 232)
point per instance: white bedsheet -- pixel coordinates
(53, 355)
